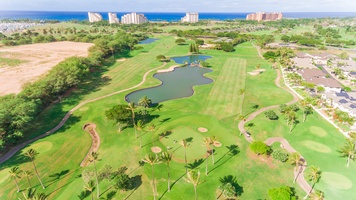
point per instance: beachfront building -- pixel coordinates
(263, 16)
(134, 18)
(190, 18)
(94, 17)
(113, 18)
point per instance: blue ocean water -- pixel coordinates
(66, 16)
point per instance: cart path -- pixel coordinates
(15, 149)
(300, 180)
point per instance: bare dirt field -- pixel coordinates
(34, 60)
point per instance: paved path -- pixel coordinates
(300, 178)
(15, 149)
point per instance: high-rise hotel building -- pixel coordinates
(263, 16)
(134, 18)
(113, 18)
(190, 17)
(94, 17)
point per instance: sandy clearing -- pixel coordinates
(38, 59)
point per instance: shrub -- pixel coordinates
(227, 47)
(180, 41)
(260, 147)
(270, 114)
(280, 155)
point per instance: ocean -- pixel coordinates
(170, 17)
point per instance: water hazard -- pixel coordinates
(176, 84)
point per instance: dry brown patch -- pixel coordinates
(261, 159)
(39, 59)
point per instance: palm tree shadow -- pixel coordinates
(195, 164)
(232, 149)
(232, 180)
(136, 183)
(232, 154)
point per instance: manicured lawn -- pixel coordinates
(318, 142)
(61, 153)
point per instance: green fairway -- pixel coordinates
(225, 100)
(214, 106)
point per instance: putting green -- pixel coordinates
(195, 150)
(318, 131)
(316, 146)
(335, 180)
(4, 175)
(40, 147)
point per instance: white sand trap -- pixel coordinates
(156, 149)
(121, 60)
(217, 144)
(254, 73)
(202, 129)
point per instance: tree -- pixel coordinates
(207, 142)
(122, 180)
(280, 155)
(213, 139)
(180, 41)
(27, 174)
(31, 154)
(152, 160)
(260, 148)
(14, 173)
(228, 190)
(167, 157)
(305, 103)
(270, 114)
(193, 177)
(317, 195)
(281, 193)
(291, 119)
(93, 158)
(314, 175)
(227, 47)
(348, 151)
(120, 114)
(184, 144)
(296, 160)
(31, 195)
(161, 58)
(132, 108)
(90, 188)
(145, 102)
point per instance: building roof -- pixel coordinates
(318, 77)
(304, 63)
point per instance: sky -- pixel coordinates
(181, 5)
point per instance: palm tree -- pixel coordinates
(93, 157)
(193, 177)
(132, 108)
(90, 188)
(145, 102)
(213, 139)
(307, 109)
(313, 176)
(295, 159)
(31, 195)
(317, 195)
(207, 143)
(291, 117)
(167, 157)
(27, 174)
(139, 128)
(152, 160)
(151, 128)
(184, 144)
(31, 154)
(348, 150)
(14, 173)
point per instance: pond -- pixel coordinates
(148, 41)
(190, 59)
(175, 84)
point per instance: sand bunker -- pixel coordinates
(156, 149)
(202, 129)
(37, 60)
(256, 72)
